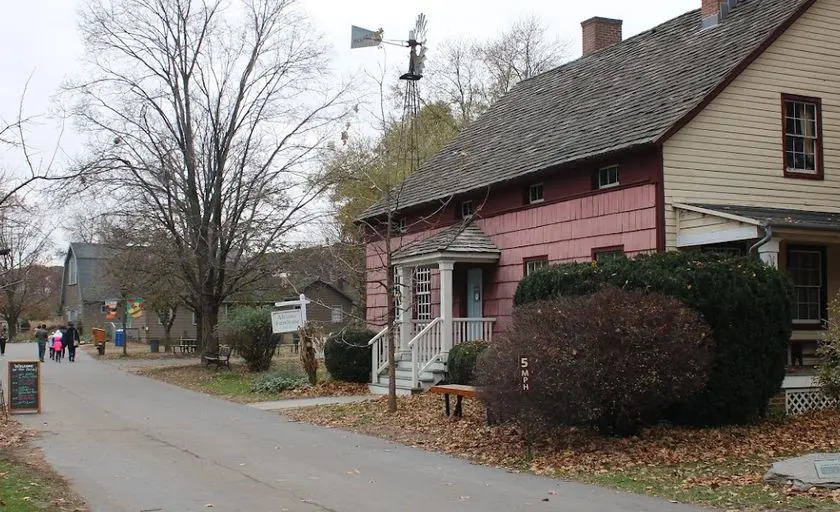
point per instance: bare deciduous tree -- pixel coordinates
(472, 75)
(206, 114)
(22, 233)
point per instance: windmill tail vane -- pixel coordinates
(364, 38)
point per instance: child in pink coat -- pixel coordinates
(57, 346)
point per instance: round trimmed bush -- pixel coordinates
(460, 366)
(746, 303)
(615, 361)
(347, 355)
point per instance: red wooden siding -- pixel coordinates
(564, 230)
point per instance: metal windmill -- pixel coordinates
(409, 125)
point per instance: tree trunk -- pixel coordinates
(12, 319)
(208, 340)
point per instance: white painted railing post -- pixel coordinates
(446, 306)
(405, 306)
(374, 364)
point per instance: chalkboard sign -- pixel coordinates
(24, 387)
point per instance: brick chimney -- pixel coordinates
(714, 11)
(600, 33)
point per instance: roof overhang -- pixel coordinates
(711, 224)
(452, 256)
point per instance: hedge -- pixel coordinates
(347, 355)
(746, 303)
(615, 361)
(460, 365)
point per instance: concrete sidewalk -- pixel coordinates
(131, 444)
(294, 403)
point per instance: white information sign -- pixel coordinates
(289, 320)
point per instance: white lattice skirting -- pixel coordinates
(798, 401)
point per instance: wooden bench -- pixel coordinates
(223, 359)
(460, 391)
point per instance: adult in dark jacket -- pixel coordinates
(41, 335)
(68, 339)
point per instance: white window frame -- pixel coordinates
(337, 312)
(467, 209)
(815, 137)
(422, 281)
(532, 265)
(536, 193)
(72, 270)
(194, 318)
(608, 177)
(797, 287)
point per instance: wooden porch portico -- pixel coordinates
(803, 243)
(423, 340)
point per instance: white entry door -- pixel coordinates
(475, 302)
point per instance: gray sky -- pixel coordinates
(39, 38)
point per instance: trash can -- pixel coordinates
(119, 338)
(154, 345)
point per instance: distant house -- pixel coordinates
(716, 130)
(87, 290)
(330, 307)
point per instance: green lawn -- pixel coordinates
(22, 490)
(236, 385)
(729, 485)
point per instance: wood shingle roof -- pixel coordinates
(632, 94)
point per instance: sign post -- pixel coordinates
(24, 387)
(525, 387)
(289, 320)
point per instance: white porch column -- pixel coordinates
(446, 305)
(769, 252)
(405, 304)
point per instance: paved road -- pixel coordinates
(131, 444)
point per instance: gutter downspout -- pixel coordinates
(768, 234)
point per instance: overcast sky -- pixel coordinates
(39, 39)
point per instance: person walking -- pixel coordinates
(3, 338)
(41, 335)
(58, 346)
(55, 343)
(70, 339)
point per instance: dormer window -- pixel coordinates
(608, 177)
(535, 193)
(399, 225)
(467, 209)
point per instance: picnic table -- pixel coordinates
(186, 346)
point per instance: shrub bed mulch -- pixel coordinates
(235, 385)
(27, 482)
(723, 467)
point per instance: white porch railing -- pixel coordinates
(426, 347)
(378, 354)
(472, 329)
